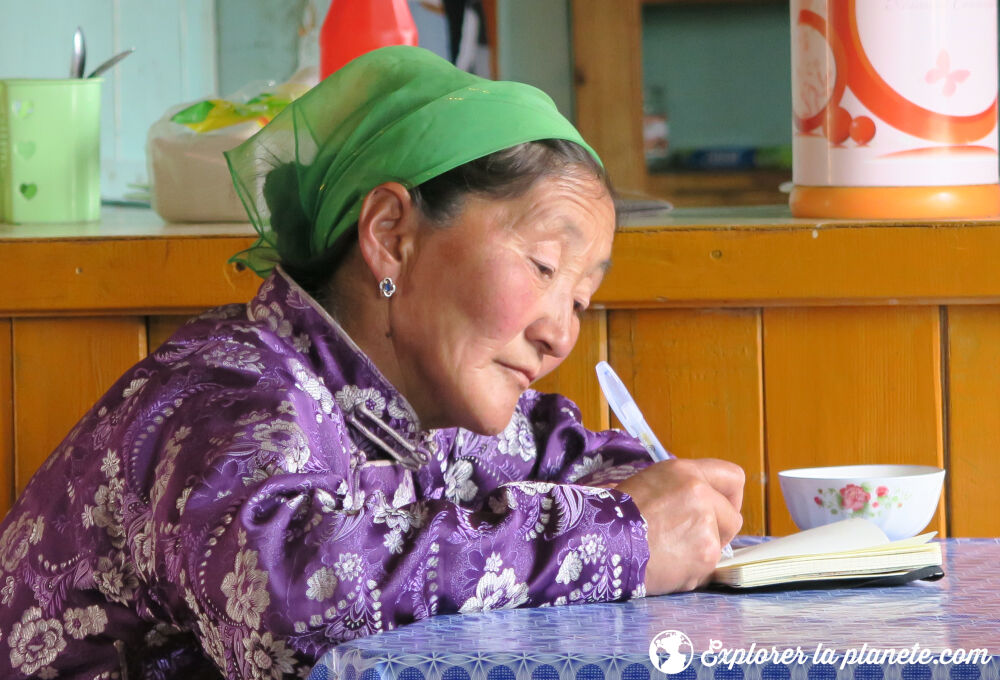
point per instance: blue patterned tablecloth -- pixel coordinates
(960, 613)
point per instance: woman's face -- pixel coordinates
(491, 302)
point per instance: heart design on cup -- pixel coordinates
(23, 108)
(25, 149)
(29, 190)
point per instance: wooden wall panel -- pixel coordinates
(850, 385)
(696, 375)
(697, 259)
(88, 276)
(61, 368)
(576, 377)
(608, 72)
(974, 420)
(6, 419)
(162, 326)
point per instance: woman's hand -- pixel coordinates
(692, 507)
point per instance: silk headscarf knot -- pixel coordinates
(396, 114)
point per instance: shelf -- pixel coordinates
(713, 2)
(706, 188)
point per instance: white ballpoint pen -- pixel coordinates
(631, 417)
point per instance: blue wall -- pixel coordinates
(535, 47)
(725, 71)
(257, 41)
(175, 61)
(268, 39)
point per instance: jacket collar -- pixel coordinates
(337, 372)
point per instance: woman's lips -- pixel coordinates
(526, 376)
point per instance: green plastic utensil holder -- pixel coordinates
(50, 150)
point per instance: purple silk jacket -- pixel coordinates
(255, 491)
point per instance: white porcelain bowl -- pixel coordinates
(900, 499)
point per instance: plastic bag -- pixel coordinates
(213, 114)
(188, 173)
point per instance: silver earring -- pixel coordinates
(387, 287)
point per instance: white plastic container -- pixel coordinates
(894, 107)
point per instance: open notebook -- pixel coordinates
(849, 549)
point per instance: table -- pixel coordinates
(611, 641)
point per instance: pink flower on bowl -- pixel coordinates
(819, 501)
(882, 491)
(854, 497)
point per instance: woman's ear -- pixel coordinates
(387, 228)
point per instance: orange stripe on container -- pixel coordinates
(889, 105)
(943, 151)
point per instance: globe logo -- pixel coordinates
(671, 651)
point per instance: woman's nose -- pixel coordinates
(554, 331)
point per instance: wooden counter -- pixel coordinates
(744, 334)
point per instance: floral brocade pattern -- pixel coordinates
(860, 500)
(255, 491)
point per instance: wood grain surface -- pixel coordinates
(61, 368)
(575, 378)
(847, 386)
(696, 376)
(6, 418)
(974, 420)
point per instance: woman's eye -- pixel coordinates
(579, 307)
(544, 269)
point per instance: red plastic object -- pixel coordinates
(354, 27)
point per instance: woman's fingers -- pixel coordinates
(727, 478)
(691, 508)
(728, 519)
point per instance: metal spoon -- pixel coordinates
(110, 62)
(79, 54)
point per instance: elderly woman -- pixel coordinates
(358, 448)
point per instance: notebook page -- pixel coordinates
(848, 534)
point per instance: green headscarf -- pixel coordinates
(397, 114)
